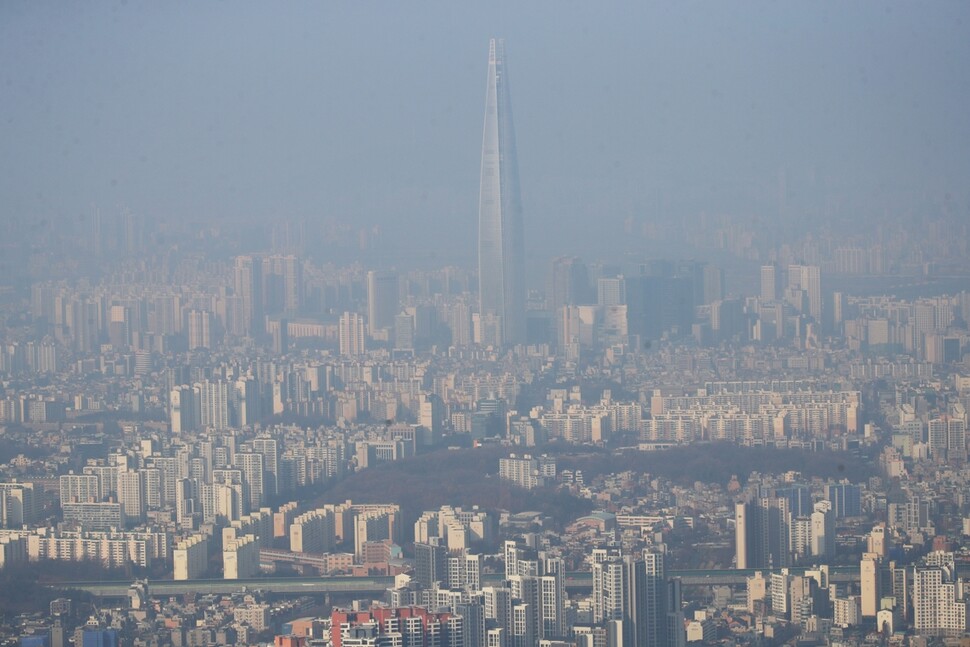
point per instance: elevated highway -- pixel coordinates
(576, 582)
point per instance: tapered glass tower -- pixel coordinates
(501, 251)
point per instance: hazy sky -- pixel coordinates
(372, 111)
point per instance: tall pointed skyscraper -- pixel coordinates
(501, 249)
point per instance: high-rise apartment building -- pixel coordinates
(501, 247)
(251, 466)
(269, 449)
(527, 472)
(635, 601)
(939, 608)
(947, 437)
(214, 404)
(869, 572)
(185, 408)
(646, 599)
(405, 626)
(430, 563)
(191, 557)
(80, 488)
(282, 282)
(498, 606)
(762, 531)
(823, 530)
(131, 495)
(240, 558)
(200, 326)
(244, 401)
(249, 287)
(351, 333)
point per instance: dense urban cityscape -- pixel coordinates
(287, 432)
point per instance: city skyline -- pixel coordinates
(268, 377)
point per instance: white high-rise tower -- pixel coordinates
(501, 249)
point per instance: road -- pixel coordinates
(575, 582)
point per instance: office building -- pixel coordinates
(611, 291)
(658, 304)
(769, 283)
(382, 300)
(97, 637)
(501, 246)
(17, 504)
(568, 283)
(846, 499)
(282, 284)
(805, 290)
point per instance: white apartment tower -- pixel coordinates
(351, 334)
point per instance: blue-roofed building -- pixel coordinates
(100, 638)
(42, 640)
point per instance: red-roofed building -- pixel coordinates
(289, 641)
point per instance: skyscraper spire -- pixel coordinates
(501, 250)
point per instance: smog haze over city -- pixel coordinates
(303, 342)
(367, 113)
